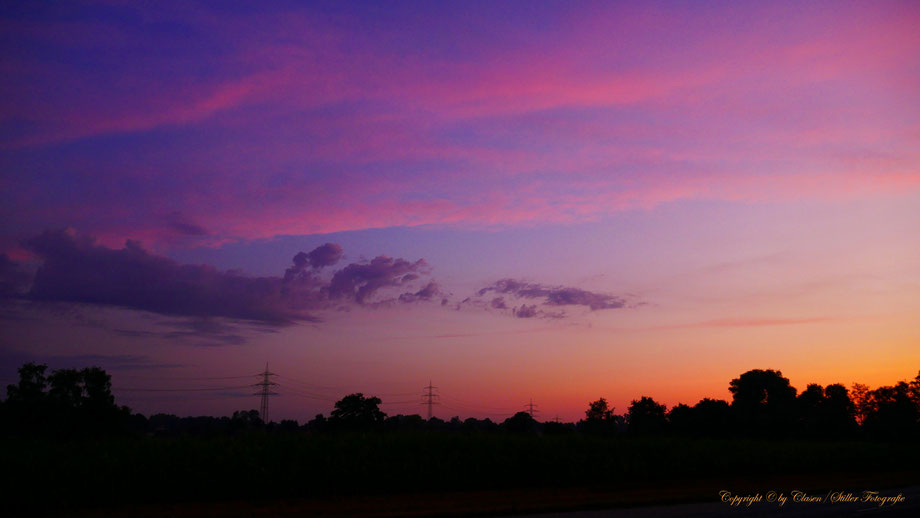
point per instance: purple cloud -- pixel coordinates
(320, 257)
(180, 224)
(430, 290)
(325, 255)
(554, 295)
(360, 281)
(76, 269)
(578, 297)
(14, 279)
(545, 301)
(525, 311)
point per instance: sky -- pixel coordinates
(552, 201)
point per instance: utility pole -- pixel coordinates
(430, 397)
(531, 408)
(265, 391)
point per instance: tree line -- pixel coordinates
(68, 403)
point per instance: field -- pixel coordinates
(498, 472)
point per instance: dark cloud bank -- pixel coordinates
(76, 269)
(176, 222)
(13, 278)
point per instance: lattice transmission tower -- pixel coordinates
(265, 391)
(430, 398)
(531, 408)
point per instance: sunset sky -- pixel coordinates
(513, 200)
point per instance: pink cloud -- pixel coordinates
(297, 73)
(313, 129)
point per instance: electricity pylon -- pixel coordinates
(265, 391)
(430, 398)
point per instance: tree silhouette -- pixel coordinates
(599, 418)
(318, 424)
(808, 407)
(77, 402)
(356, 411)
(859, 394)
(289, 425)
(712, 417)
(245, 420)
(66, 387)
(892, 412)
(97, 386)
(556, 427)
(521, 422)
(825, 411)
(598, 411)
(473, 425)
(837, 412)
(405, 422)
(31, 386)
(72, 403)
(646, 416)
(681, 420)
(763, 402)
(26, 407)
(913, 389)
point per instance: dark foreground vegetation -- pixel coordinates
(66, 445)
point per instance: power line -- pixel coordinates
(462, 406)
(183, 378)
(476, 406)
(496, 414)
(297, 392)
(312, 386)
(187, 397)
(407, 402)
(132, 389)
